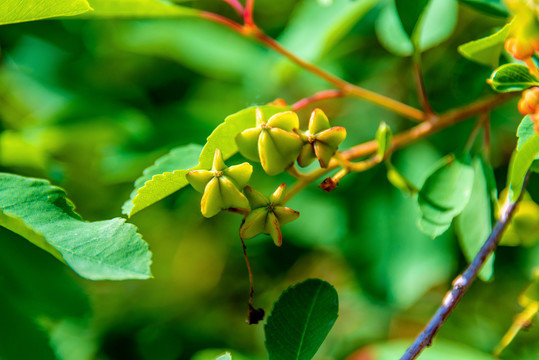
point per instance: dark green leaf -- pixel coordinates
(512, 77)
(435, 25)
(409, 12)
(473, 225)
(486, 50)
(300, 320)
(444, 195)
(491, 7)
(169, 180)
(98, 250)
(16, 11)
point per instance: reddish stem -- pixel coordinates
(322, 95)
(248, 13)
(236, 5)
(222, 20)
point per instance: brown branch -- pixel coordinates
(461, 284)
(322, 95)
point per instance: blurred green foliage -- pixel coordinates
(89, 104)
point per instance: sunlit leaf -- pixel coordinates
(520, 164)
(444, 195)
(168, 174)
(137, 9)
(99, 250)
(435, 25)
(300, 320)
(512, 77)
(314, 28)
(473, 224)
(491, 7)
(486, 50)
(183, 157)
(16, 11)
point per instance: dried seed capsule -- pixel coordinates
(267, 215)
(273, 143)
(322, 141)
(221, 185)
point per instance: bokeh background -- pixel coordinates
(88, 104)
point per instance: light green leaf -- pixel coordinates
(520, 164)
(409, 12)
(491, 7)
(300, 320)
(314, 28)
(224, 135)
(444, 195)
(183, 157)
(512, 77)
(137, 9)
(474, 224)
(217, 354)
(168, 174)
(16, 11)
(435, 25)
(226, 356)
(99, 250)
(486, 50)
(525, 131)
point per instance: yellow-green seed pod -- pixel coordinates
(273, 229)
(278, 149)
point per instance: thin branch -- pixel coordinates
(420, 84)
(248, 13)
(461, 284)
(254, 316)
(222, 20)
(322, 95)
(236, 5)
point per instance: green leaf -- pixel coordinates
(183, 157)
(168, 174)
(137, 9)
(314, 29)
(525, 131)
(383, 138)
(226, 356)
(99, 250)
(486, 50)
(16, 11)
(435, 25)
(512, 77)
(444, 195)
(520, 164)
(399, 181)
(490, 7)
(300, 320)
(474, 223)
(409, 12)
(224, 135)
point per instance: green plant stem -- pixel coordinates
(523, 319)
(483, 118)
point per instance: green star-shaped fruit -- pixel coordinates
(321, 140)
(273, 143)
(221, 185)
(267, 215)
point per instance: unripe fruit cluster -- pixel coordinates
(529, 105)
(521, 49)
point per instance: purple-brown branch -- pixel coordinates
(461, 284)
